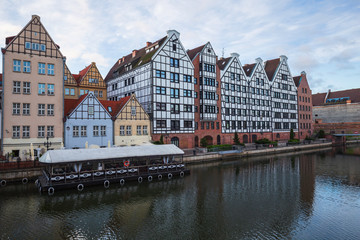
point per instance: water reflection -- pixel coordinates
(290, 196)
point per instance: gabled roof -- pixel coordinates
(141, 57)
(193, 52)
(270, 67)
(82, 73)
(116, 106)
(318, 99)
(352, 94)
(223, 62)
(249, 68)
(71, 104)
(297, 80)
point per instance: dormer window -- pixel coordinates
(109, 109)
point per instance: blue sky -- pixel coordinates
(319, 37)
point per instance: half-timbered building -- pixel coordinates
(161, 77)
(32, 91)
(87, 122)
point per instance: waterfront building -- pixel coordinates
(32, 91)
(337, 112)
(207, 103)
(161, 76)
(88, 79)
(304, 106)
(87, 122)
(284, 98)
(131, 122)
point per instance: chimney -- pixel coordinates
(283, 58)
(134, 52)
(148, 44)
(303, 73)
(234, 55)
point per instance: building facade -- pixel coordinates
(305, 107)
(32, 91)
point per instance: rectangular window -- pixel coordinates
(27, 67)
(91, 110)
(133, 111)
(26, 87)
(161, 106)
(293, 125)
(16, 87)
(161, 90)
(50, 69)
(174, 93)
(128, 130)
(187, 78)
(41, 109)
(50, 109)
(26, 108)
(174, 77)
(160, 74)
(122, 130)
(175, 125)
(16, 109)
(43, 47)
(217, 125)
(174, 62)
(75, 131)
(188, 124)
(187, 93)
(103, 131)
(50, 131)
(35, 46)
(51, 89)
(41, 68)
(72, 92)
(83, 132)
(138, 130)
(145, 130)
(41, 131)
(95, 131)
(26, 132)
(17, 65)
(67, 91)
(41, 89)
(16, 131)
(100, 94)
(187, 108)
(28, 45)
(161, 123)
(175, 108)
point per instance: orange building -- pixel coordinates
(88, 79)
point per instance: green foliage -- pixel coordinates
(266, 141)
(321, 134)
(292, 134)
(236, 139)
(221, 147)
(294, 141)
(203, 142)
(309, 138)
(161, 139)
(157, 143)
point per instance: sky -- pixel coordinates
(321, 38)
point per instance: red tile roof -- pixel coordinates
(9, 39)
(318, 99)
(297, 80)
(270, 67)
(248, 68)
(352, 94)
(139, 59)
(192, 53)
(116, 106)
(71, 104)
(223, 62)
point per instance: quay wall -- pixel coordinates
(19, 174)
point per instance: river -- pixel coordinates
(314, 195)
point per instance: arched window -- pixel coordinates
(175, 141)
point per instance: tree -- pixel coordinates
(203, 142)
(161, 139)
(292, 134)
(236, 139)
(321, 134)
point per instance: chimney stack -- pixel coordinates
(134, 52)
(148, 44)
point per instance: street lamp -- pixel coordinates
(47, 144)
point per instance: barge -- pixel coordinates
(80, 168)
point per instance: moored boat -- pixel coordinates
(80, 168)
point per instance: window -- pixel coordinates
(277, 125)
(174, 47)
(35, 46)
(293, 125)
(138, 130)
(174, 77)
(93, 80)
(160, 74)
(83, 131)
(187, 124)
(16, 87)
(41, 109)
(161, 106)
(41, 68)
(286, 125)
(67, 91)
(50, 69)
(27, 67)
(16, 131)
(174, 93)
(161, 90)
(75, 131)
(26, 131)
(187, 93)
(122, 130)
(51, 89)
(41, 131)
(128, 130)
(187, 78)
(161, 123)
(27, 45)
(133, 111)
(43, 47)
(187, 108)
(72, 92)
(26, 108)
(91, 110)
(17, 65)
(50, 109)
(100, 94)
(95, 131)
(175, 108)
(41, 90)
(175, 125)
(50, 131)
(145, 130)
(103, 131)
(174, 62)
(16, 109)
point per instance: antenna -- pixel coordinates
(223, 52)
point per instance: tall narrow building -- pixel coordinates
(33, 70)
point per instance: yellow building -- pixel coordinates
(88, 79)
(131, 122)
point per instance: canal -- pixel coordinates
(304, 196)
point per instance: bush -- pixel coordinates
(309, 138)
(321, 134)
(292, 134)
(221, 147)
(263, 141)
(203, 142)
(236, 139)
(294, 141)
(161, 139)
(157, 143)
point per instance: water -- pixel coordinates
(306, 196)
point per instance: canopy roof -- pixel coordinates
(79, 155)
